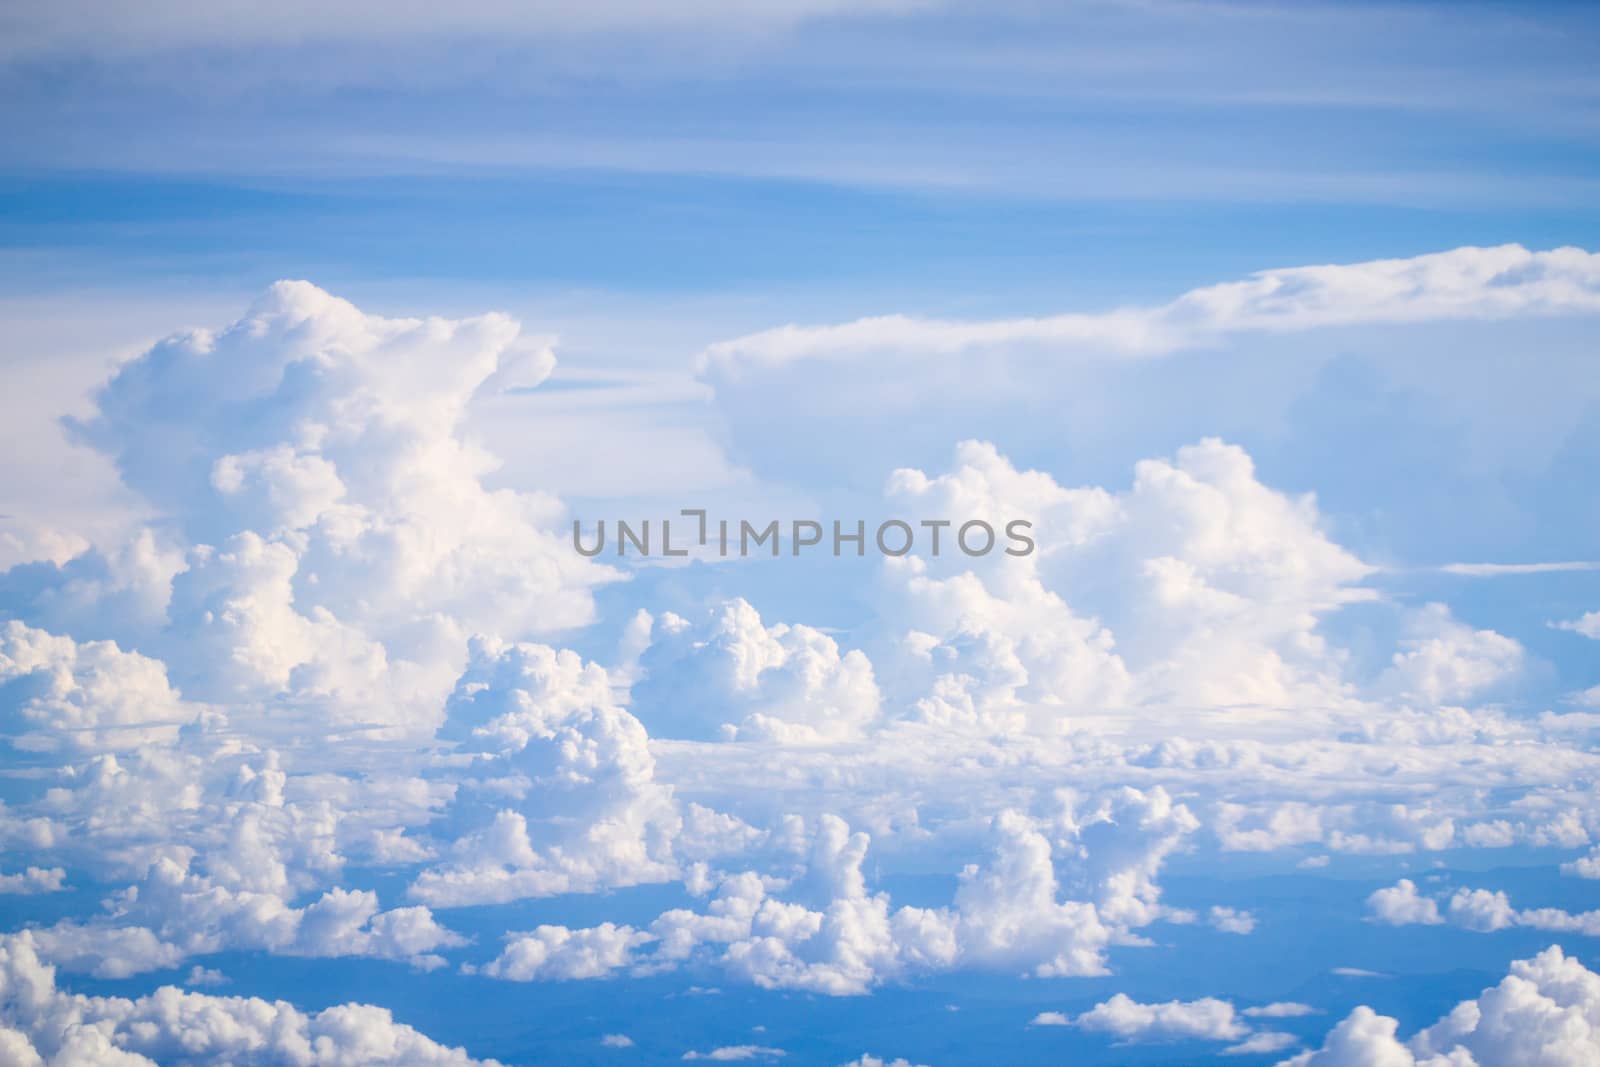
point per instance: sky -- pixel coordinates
(325, 326)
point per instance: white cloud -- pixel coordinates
(201, 976)
(60, 695)
(559, 953)
(1262, 1043)
(736, 1053)
(563, 795)
(1545, 1013)
(40, 1023)
(1479, 910)
(33, 880)
(1231, 920)
(616, 1041)
(1285, 1009)
(734, 677)
(1401, 904)
(1587, 624)
(1198, 585)
(339, 541)
(1469, 283)
(1443, 660)
(1206, 1019)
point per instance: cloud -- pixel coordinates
(1401, 905)
(1443, 660)
(1207, 1019)
(339, 544)
(732, 676)
(1231, 920)
(33, 880)
(39, 1023)
(558, 953)
(1587, 624)
(736, 1053)
(617, 1041)
(1471, 283)
(1287, 1009)
(564, 795)
(1495, 570)
(56, 694)
(246, 735)
(1479, 910)
(824, 931)
(1257, 1044)
(1198, 584)
(1545, 1012)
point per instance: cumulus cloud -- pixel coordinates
(732, 676)
(323, 657)
(736, 1053)
(825, 931)
(1442, 660)
(1544, 1013)
(33, 880)
(1199, 584)
(1207, 1019)
(1479, 910)
(1587, 624)
(559, 953)
(1401, 905)
(562, 794)
(338, 542)
(41, 1024)
(56, 694)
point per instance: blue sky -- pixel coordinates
(319, 743)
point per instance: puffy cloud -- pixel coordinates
(1479, 910)
(174, 914)
(1401, 904)
(559, 953)
(1587, 624)
(33, 880)
(1206, 1019)
(1198, 585)
(1584, 866)
(734, 676)
(41, 1024)
(56, 694)
(736, 1053)
(1262, 1043)
(866, 1059)
(561, 795)
(1442, 660)
(825, 931)
(1544, 1013)
(1231, 920)
(339, 541)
